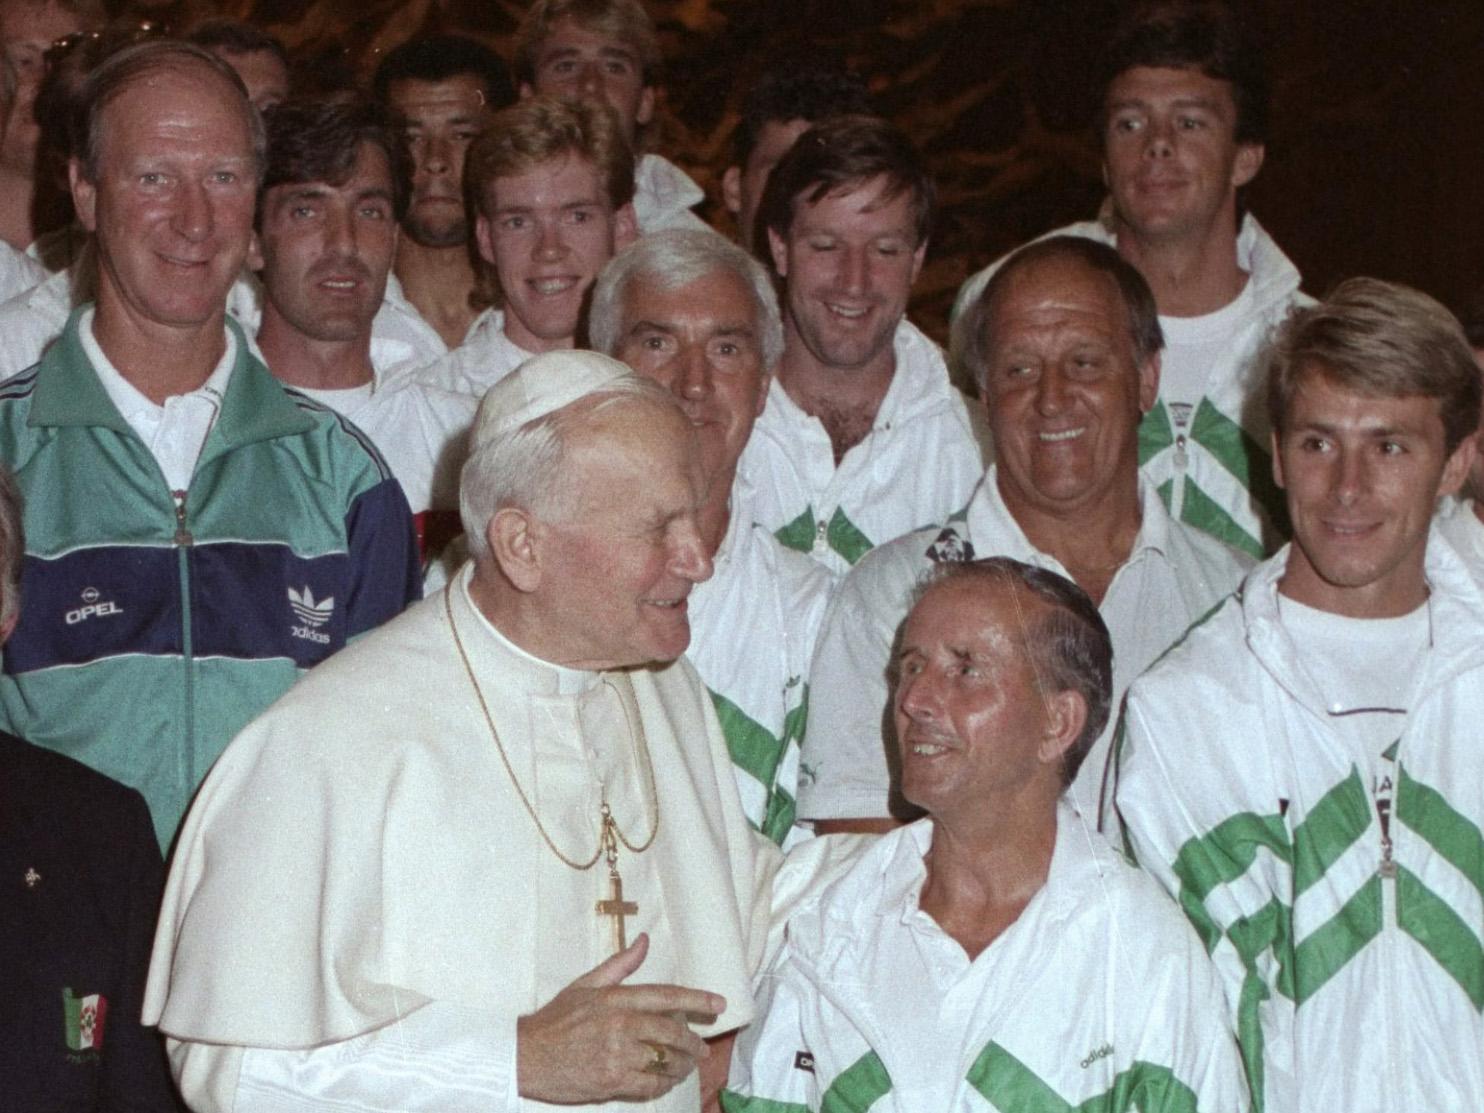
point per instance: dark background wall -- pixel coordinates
(1374, 166)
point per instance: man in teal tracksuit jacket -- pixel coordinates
(180, 571)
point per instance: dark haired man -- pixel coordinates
(1065, 350)
(863, 437)
(607, 52)
(785, 102)
(258, 57)
(443, 88)
(335, 188)
(1183, 125)
(1303, 771)
(196, 536)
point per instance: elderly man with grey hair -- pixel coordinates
(996, 954)
(1066, 344)
(493, 853)
(699, 316)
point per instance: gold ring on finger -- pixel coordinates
(657, 1064)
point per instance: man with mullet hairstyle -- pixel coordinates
(328, 212)
(1303, 771)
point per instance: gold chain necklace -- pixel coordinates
(610, 834)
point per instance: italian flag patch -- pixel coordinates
(83, 1017)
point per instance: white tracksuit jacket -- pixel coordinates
(918, 464)
(753, 625)
(1355, 975)
(1098, 998)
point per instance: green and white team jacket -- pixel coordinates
(1217, 473)
(1098, 999)
(1344, 908)
(917, 465)
(752, 634)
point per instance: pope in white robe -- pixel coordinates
(388, 892)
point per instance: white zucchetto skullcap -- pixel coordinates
(542, 385)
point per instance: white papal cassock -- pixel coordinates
(360, 876)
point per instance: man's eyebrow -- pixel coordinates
(646, 323)
(746, 331)
(309, 191)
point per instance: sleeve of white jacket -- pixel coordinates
(1224, 859)
(442, 1057)
(1186, 1028)
(843, 769)
(770, 1072)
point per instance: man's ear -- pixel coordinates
(645, 112)
(484, 238)
(527, 90)
(625, 227)
(1149, 383)
(731, 193)
(779, 250)
(513, 537)
(1066, 716)
(84, 195)
(1456, 470)
(1247, 163)
(254, 260)
(917, 257)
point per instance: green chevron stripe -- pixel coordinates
(1326, 949)
(858, 1087)
(733, 1102)
(1224, 439)
(846, 539)
(1198, 509)
(1012, 1087)
(752, 747)
(1155, 433)
(1247, 460)
(782, 811)
(1220, 856)
(799, 533)
(1451, 833)
(1427, 918)
(1334, 824)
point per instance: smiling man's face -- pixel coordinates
(1064, 389)
(172, 206)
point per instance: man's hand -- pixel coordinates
(599, 1040)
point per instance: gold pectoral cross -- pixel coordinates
(615, 905)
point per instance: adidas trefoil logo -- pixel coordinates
(313, 614)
